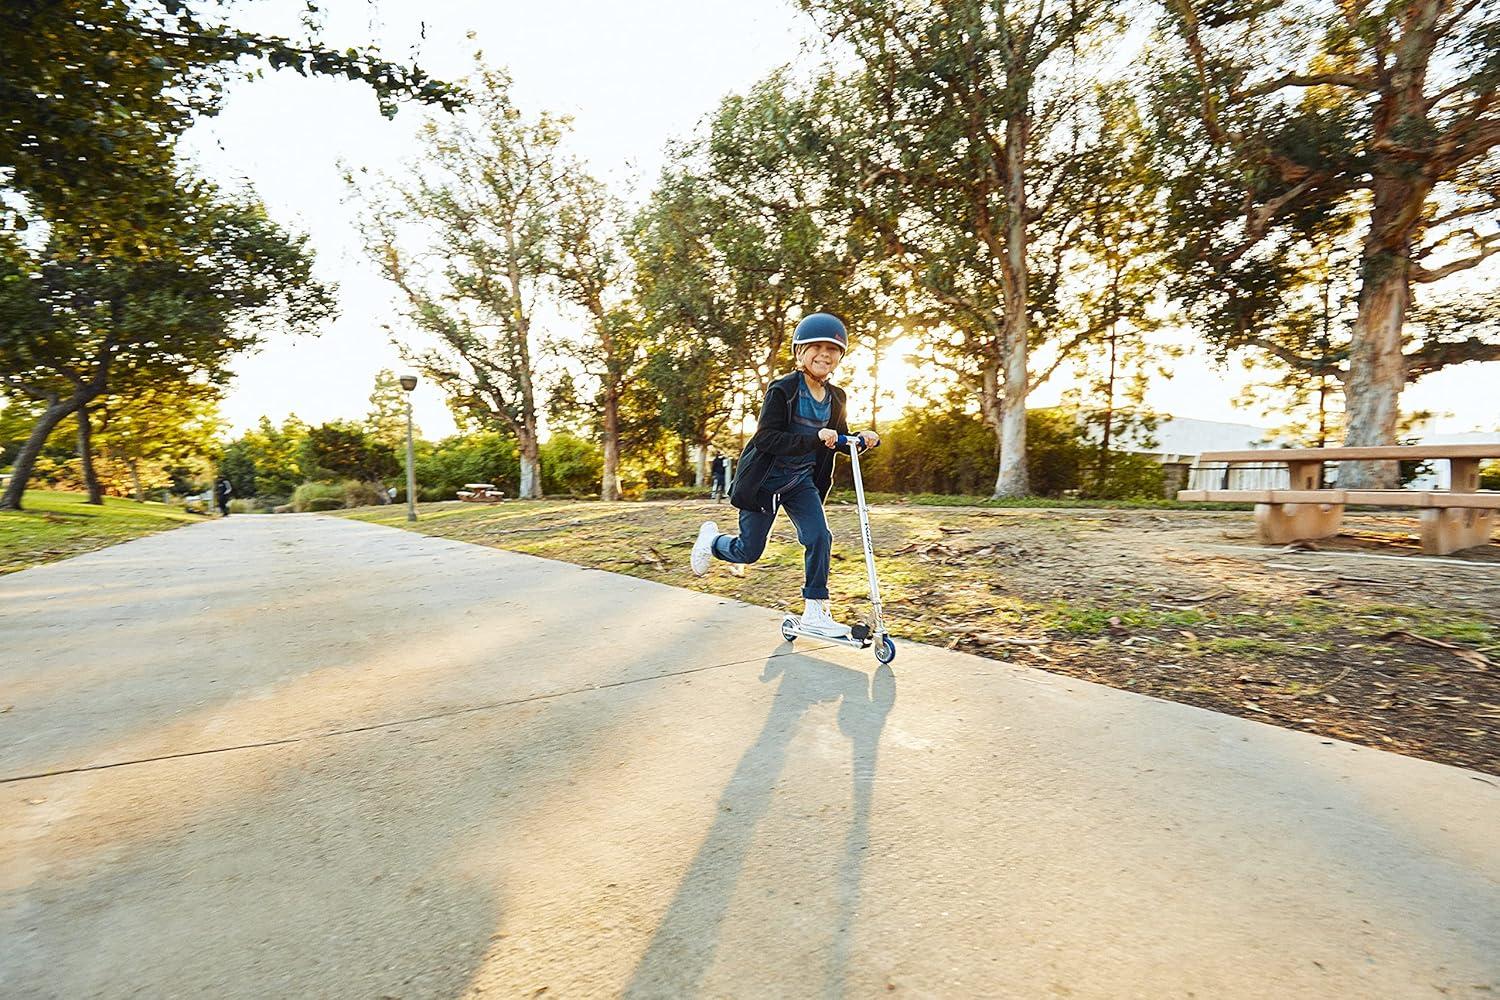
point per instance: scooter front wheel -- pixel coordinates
(886, 651)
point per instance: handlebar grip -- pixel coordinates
(845, 440)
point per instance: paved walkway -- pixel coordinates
(303, 756)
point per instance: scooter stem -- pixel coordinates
(856, 444)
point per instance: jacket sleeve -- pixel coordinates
(772, 435)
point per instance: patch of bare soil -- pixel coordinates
(1359, 637)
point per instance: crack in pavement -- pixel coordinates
(375, 726)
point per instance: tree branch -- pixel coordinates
(32, 390)
(1352, 81)
(1434, 357)
(1320, 365)
(1487, 248)
(1464, 213)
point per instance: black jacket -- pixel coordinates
(774, 436)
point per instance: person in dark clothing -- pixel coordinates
(222, 491)
(789, 464)
(717, 467)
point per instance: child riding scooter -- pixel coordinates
(789, 464)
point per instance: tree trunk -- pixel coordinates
(1377, 368)
(531, 467)
(25, 462)
(86, 457)
(700, 464)
(991, 403)
(1012, 479)
(609, 487)
(1106, 438)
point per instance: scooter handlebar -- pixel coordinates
(845, 440)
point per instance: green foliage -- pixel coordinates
(471, 289)
(484, 457)
(959, 146)
(325, 503)
(237, 464)
(1297, 166)
(1127, 476)
(1489, 476)
(79, 325)
(143, 430)
(934, 450)
(17, 417)
(386, 422)
(264, 462)
(363, 493)
(571, 465)
(95, 93)
(948, 451)
(304, 496)
(1057, 453)
(343, 450)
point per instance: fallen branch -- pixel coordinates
(1464, 653)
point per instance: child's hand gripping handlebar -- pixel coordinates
(845, 440)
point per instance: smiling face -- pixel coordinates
(819, 359)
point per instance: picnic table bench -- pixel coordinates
(1457, 518)
(481, 493)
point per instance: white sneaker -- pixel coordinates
(817, 619)
(703, 548)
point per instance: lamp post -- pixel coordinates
(408, 383)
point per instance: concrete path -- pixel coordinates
(307, 757)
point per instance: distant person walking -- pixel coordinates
(222, 490)
(719, 467)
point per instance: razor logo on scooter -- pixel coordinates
(870, 632)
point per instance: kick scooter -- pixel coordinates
(871, 631)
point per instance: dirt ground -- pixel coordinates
(1358, 637)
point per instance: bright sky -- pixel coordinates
(633, 76)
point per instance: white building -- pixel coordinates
(1180, 440)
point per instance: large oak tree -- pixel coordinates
(1385, 112)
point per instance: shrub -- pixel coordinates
(325, 503)
(571, 465)
(362, 494)
(1128, 477)
(483, 457)
(308, 492)
(242, 507)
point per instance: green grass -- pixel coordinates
(61, 525)
(1092, 621)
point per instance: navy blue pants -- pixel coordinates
(803, 505)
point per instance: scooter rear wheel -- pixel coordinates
(787, 625)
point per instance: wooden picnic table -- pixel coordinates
(1459, 517)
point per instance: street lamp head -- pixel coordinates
(408, 382)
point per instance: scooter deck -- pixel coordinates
(847, 640)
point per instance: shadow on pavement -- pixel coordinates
(685, 942)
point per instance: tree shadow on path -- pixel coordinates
(684, 945)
